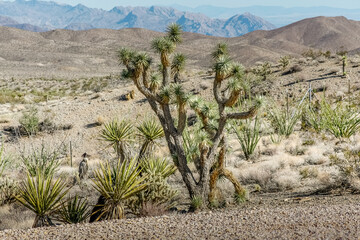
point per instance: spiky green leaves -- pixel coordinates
(126, 56)
(135, 62)
(42, 195)
(248, 136)
(178, 64)
(163, 45)
(118, 134)
(174, 33)
(149, 132)
(221, 49)
(75, 210)
(158, 167)
(174, 92)
(116, 185)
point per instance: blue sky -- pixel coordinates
(108, 4)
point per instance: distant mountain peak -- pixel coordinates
(50, 15)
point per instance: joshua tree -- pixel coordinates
(162, 95)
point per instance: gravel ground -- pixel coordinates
(305, 218)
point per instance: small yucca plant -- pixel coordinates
(119, 135)
(75, 210)
(158, 167)
(149, 132)
(116, 185)
(248, 137)
(43, 196)
(341, 121)
(283, 122)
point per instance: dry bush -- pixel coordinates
(293, 69)
(287, 178)
(150, 209)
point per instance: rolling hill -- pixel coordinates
(94, 51)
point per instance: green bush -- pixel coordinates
(158, 192)
(30, 121)
(41, 160)
(341, 121)
(8, 190)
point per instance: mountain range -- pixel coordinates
(43, 16)
(279, 16)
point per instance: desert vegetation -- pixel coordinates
(164, 137)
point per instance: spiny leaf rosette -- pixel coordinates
(166, 91)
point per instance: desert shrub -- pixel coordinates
(30, 121)
(312, 118)
(284, 62)
(293, 69)
(196, 203)
(158, 195)
(116, 184)
(327, 54)
(248, 136)
(118, 134)
(74, 210)
(341, 121)
(312, 54)
(263, 71)
(349, 167)
(42, 195)
(8, 190)
(282, 121)
(41, 161)
(4, 161)
(240, 197)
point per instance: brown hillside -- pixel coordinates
(93, 52)
(326, 33)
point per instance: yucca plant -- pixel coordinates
(42, 195)
(158, 166)
(119, 135)
(41, 161)
(282, 121)
(248, 136)
(149, 132)
(313, 119)
(3, 160)
(116, 185)
(341, 121)
(75, 210)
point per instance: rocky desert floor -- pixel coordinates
(273, 216)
